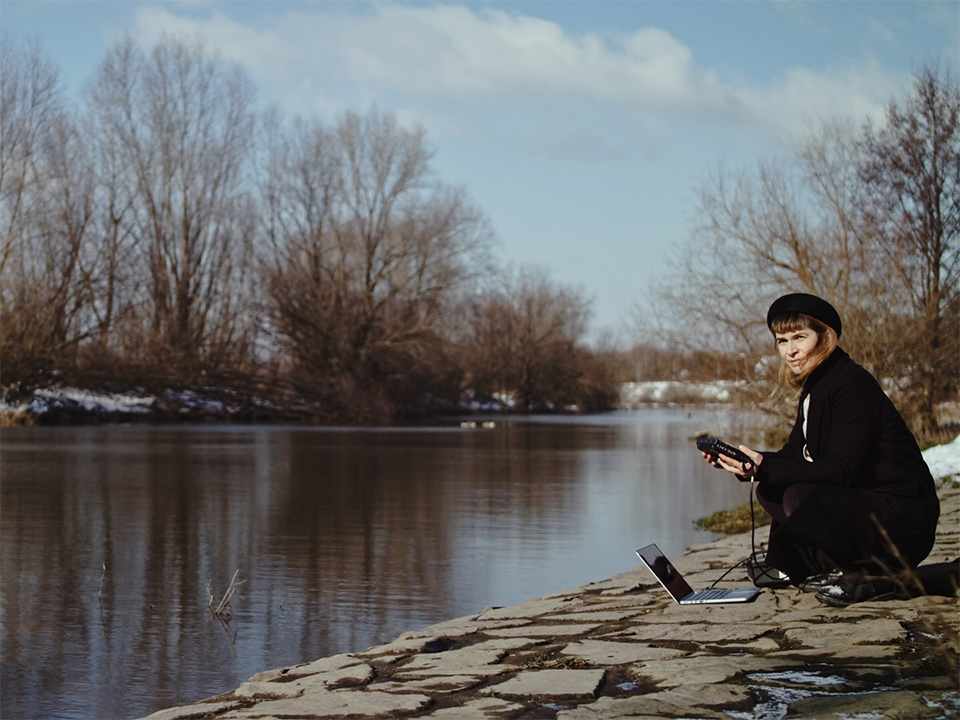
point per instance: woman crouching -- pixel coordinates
(851, 497)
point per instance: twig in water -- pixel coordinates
(102, 574)
(223, 609)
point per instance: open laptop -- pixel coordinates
(678, 588)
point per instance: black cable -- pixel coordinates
(753, 543)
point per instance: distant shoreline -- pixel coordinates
(57, 406)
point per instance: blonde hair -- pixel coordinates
(788, 382)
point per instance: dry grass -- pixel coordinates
(733, 522)
(542, 662)
(14, 417)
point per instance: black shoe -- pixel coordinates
(815, 582)
(843, 592)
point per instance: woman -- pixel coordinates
(851, 497)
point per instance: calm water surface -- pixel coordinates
(112, 540)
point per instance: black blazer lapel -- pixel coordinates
(817, 386)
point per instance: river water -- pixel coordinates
(114, 539)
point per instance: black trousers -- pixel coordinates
(820, 527)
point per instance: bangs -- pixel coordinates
(792, 322)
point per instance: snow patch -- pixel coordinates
(190, 401)
(52, 399)
(801, 677)
(944, 460)
(633, 394)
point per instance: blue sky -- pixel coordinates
(582, 128)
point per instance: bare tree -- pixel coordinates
(63, 235)
(367, 249)
(299, 186)
(526, 341)
(31, 104)
(182, 121)
(46, 190)
(111, 266)
(911, 170)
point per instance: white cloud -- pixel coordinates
(456, 64)
(853, 93)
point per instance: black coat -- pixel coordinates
(874, 506)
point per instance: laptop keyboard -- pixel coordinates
(710, 594)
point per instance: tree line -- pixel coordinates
(867, 217)
(164, 229)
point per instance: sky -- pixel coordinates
(583, 129)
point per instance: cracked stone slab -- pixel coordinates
(697, 632)
(439, 684)
(268, 675)
(335, 703)
(842, 635)
(533, 608)
(691, 701)
(407, 646)
(471, 656)
(819, 614)
(903, 704)
(556, 684)
(932, 603)
(542, 631)
(323, 665)
(618, 583)
(761, 645)
(635, 602)
(839, 652)
(267, 690)
(192, 711)
(705, 669)
(596, 616)
(303, 684)
(487, 708)
(484, 671)
(907, 614)
(440, 628)
(637, 585)
(600, 652)
(456, 628)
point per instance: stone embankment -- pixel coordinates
(622, 649)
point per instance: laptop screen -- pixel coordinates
(665, 571)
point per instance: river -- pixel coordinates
(114, 539)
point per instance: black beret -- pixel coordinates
(808, 305)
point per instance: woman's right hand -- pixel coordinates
(732, 466)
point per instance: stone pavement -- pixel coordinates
(622, 649)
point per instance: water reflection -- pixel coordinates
(344, 538)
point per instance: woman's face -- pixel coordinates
(796, 348)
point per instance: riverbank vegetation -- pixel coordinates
(164, 235)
